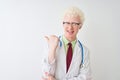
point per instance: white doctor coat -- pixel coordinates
(76, 71)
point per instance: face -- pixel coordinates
(71, 26)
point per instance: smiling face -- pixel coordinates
(71, 26)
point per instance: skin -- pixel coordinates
(70, 32)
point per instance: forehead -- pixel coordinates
(71, 18)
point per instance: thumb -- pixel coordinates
(46, 37)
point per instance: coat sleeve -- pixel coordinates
(85, 70)
(46, 66)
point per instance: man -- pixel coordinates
(67, 58)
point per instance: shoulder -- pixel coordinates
(83, 47)
(86, 53)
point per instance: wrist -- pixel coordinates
(51, 56)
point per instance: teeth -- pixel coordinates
(70, 32)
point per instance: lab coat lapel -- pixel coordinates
(76, 55)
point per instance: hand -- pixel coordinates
(52, 43)
(48, 77)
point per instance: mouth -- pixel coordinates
(70, 32)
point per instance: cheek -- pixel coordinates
(65, 28)
(76, 30)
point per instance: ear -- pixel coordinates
(80, 26)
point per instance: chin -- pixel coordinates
(70, 36)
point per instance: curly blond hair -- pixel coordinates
(74, 12)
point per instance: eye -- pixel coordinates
(71, 23)
(75, 23)
(66, 22)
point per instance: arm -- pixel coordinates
(49, 63)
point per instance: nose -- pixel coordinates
(70, 26)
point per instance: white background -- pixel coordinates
(24, 23)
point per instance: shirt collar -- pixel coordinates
(66, 41)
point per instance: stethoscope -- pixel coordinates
(82, 51)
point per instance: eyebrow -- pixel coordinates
(71, 22)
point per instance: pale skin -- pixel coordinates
(70, 32)
(53, 43)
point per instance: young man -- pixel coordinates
(67, 58)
